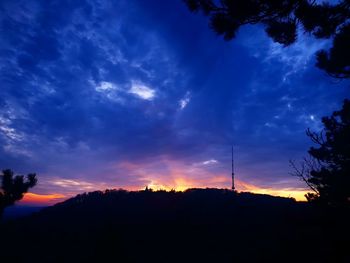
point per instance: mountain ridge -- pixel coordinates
(197, 225)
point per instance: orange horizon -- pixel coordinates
(42, 199)
(51, 199)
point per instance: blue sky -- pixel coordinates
(109, 94)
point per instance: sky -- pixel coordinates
(128, 94)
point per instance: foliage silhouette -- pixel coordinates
(327, 170)
(282, 19)
(198, 225)
(13, 188)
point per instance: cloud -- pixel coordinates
(142, 91)
(185, 100)
(208, 162)
(297, 57)
(105, 86)
(110, 90)
(87, 87)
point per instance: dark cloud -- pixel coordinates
(91, 89)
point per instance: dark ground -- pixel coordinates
(199, 225)
(17, 211)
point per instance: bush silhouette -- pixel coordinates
(13, 188)
(327, 170)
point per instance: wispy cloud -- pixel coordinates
(185, 100)
(87, 87)
(297, 57)
(211, 161)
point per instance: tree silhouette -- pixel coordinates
(327, 170)
(282, 19)
(13, 187)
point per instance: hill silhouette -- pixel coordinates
(198, 225)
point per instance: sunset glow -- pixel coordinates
(180, 183)
(42, 199)
(95, 97)
(174, 130)
(296, 193)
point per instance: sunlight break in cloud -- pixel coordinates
(142, 91)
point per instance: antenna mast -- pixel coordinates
(233, 173)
